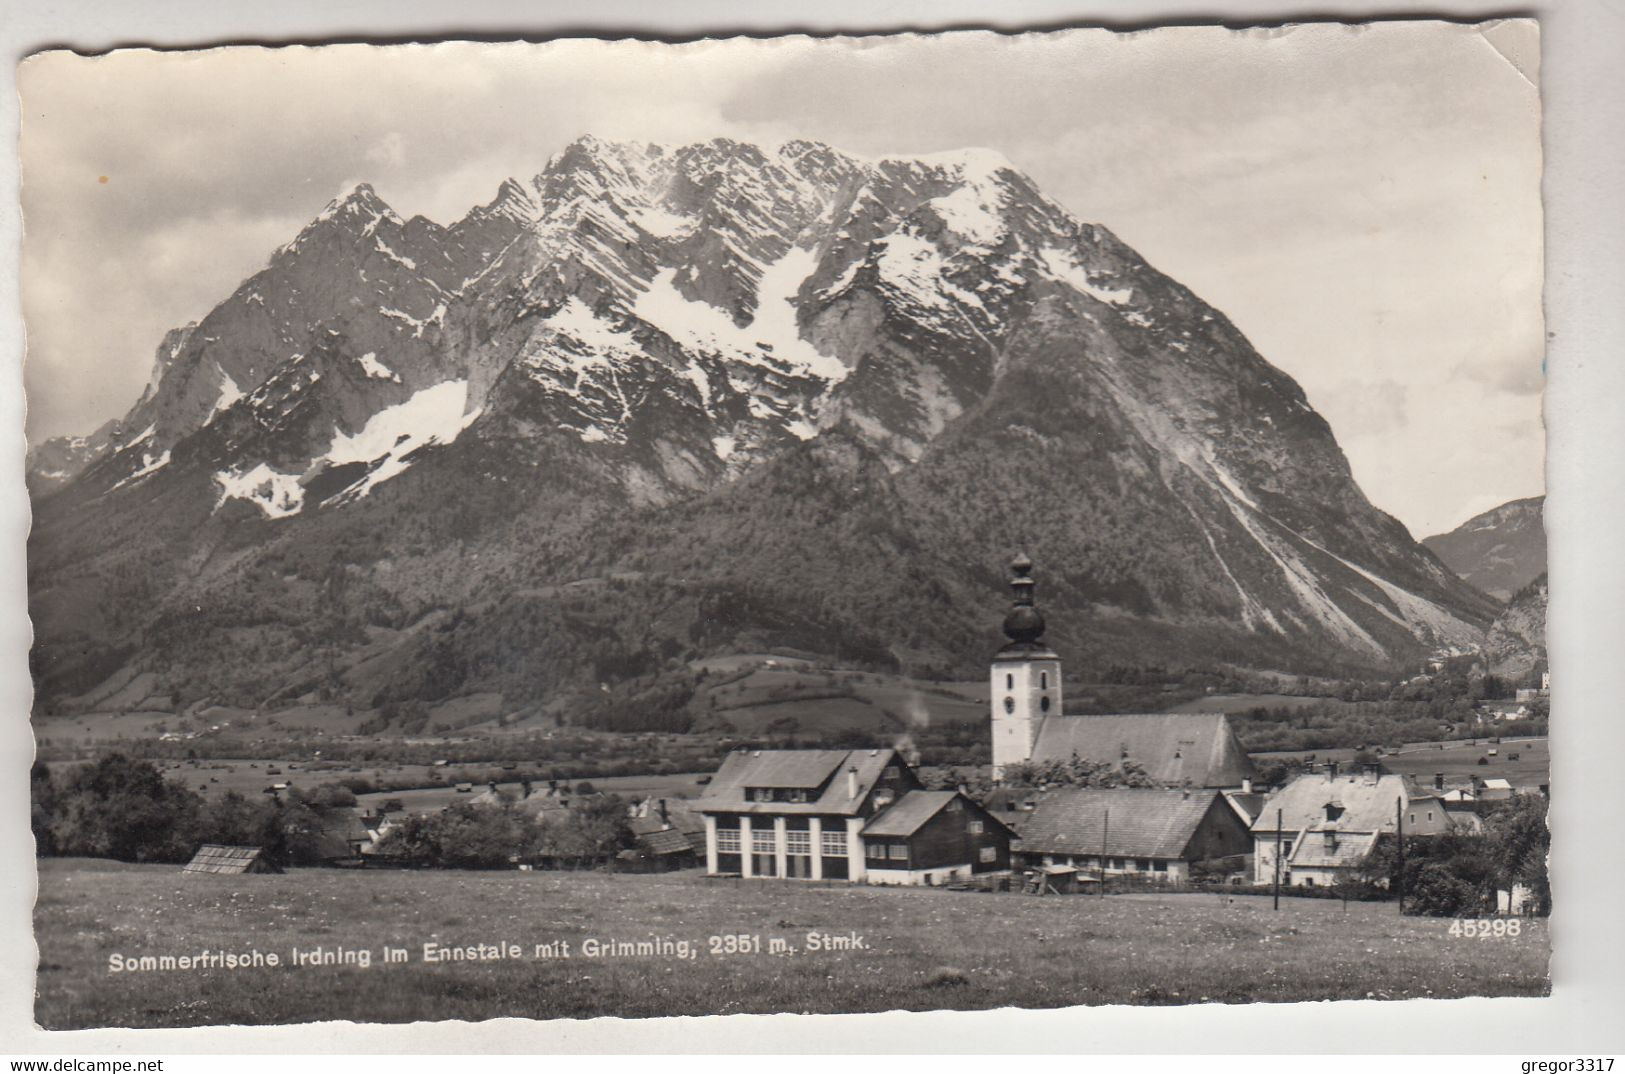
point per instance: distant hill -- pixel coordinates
(1516, 646)
(1499, 551)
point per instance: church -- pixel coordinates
(863, 816)
(1195, 749)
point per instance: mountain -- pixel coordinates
(656, 403)
(1516, 643)
(1499, 551)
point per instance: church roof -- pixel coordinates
(1143, 822)
(1195, 748)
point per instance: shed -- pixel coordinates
(217, 858)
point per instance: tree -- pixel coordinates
(1520, 842)
(124, 808)
(41, 806)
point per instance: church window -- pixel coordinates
(1043, 680)
(1009, 682)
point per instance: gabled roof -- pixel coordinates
(1142, 822)
(1368, 805)
(726, 791)
(794, 769)
(1348, 849)
(1199, 749)
(217, 858)
(670, 841)
(905, 816)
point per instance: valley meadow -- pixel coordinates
(882, 949)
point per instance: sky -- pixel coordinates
(1363, 203)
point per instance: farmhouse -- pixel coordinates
(1329, 823)
(1179, 749)
(1147, 832)
(857, 815)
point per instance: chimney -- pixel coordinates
(1372, 774)
(1246, 786)
(1331, 769)
(1438, 781)
(852, 781)
(665, 816)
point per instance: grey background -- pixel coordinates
(1584, 93)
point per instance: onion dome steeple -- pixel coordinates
(1024, 626)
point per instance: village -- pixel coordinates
(1071, 804)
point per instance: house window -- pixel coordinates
(1144, 865)
(798, 843)
(1159, 867)
(890, 772)
(975, 827)
(877, 850)
(834, 844)
(1430, 814)
(953, 806)
(727, 840)
(1117, 863)
(762, 842)
(899, 852)
(990, 854)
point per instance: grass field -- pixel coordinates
(1457, 760)
(922, 949)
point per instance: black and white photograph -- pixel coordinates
(787, 525)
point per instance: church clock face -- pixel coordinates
(1009, 704)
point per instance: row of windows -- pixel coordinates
(1043, 681)
(1126, 865)
(762, 841)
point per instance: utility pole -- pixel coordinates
(1105, 827)
(1277, 859)
(1399, 831)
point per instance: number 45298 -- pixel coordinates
(1473, 929)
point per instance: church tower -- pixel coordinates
(1026, 676)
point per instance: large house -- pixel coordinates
(1196, 749)
(1329, 823)
(856, 815)
(1126, 831)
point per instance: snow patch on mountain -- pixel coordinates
(967, 213)
(1065, 268)
(371, 366)
(772, 339)
(230, 392)
(432, 415)
(277, 494)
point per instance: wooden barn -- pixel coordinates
(933, 837)
(216, 858)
